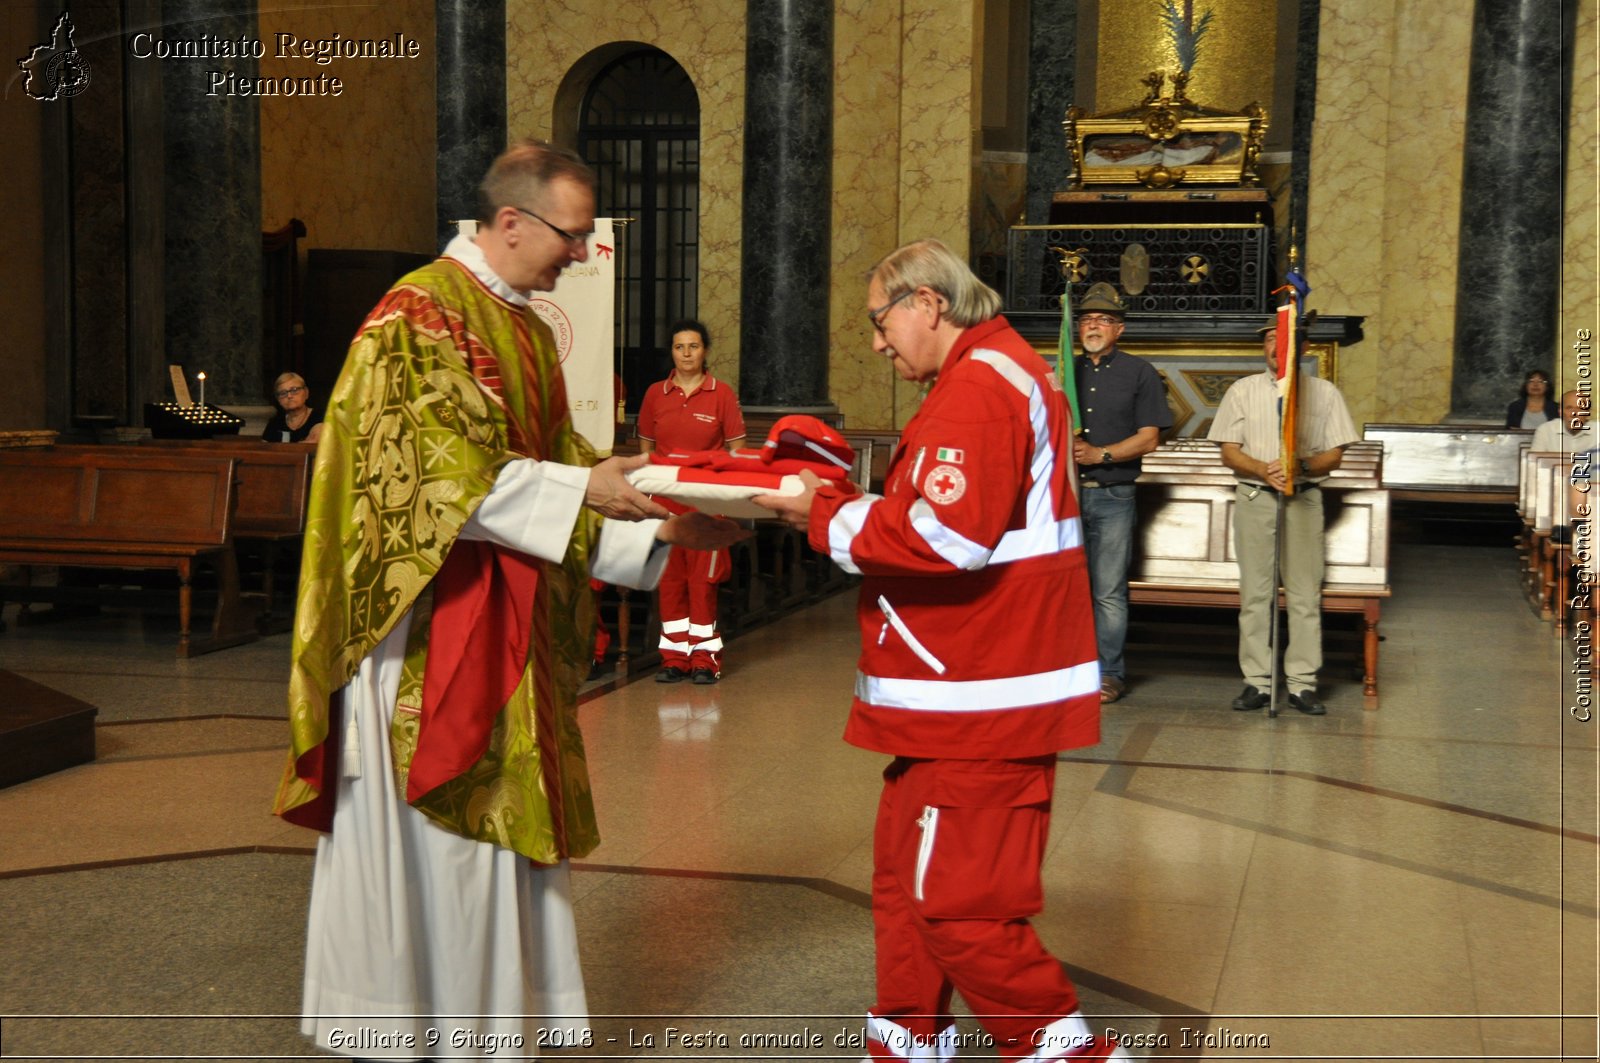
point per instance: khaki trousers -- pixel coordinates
(1254, 526)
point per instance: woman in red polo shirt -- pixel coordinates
(690, 410)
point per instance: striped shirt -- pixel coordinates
(1249, 416)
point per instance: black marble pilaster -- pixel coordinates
(1305, 114)
(788, 195)
(1052, 63)
(1509, 269)
(212, 234)
(471, 99)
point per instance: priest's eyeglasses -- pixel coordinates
(575, 239)
(876, 316)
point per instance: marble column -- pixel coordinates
(471, 100)
(788, 198)
(212, 190)
(1308, 29)
(1052, 63)
(1510, 257)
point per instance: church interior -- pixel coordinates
(1414, 875)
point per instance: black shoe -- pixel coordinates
(1306, 701)
(671, 675)
(705, 676)
(1250, 699)
(597, 669)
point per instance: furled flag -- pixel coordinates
(1066, 372)
(1294, 292)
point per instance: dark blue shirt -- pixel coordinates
(1118, 397)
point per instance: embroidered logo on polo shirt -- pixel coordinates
(706, 417)
(945, 484)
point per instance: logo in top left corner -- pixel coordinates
(57, 70)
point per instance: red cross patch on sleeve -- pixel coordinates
(944, 484)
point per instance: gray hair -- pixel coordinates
(523, 172)
(930, 264)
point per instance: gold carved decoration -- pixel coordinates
(1166, 140)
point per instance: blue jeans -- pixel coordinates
(1108, 519)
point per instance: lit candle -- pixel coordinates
(202, 377)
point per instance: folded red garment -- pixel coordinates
(800, 436)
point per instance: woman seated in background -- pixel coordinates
(1536, 404)
(295, 422)
(690, 410)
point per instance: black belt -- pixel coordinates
(1299, 488)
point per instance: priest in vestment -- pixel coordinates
(441, 630)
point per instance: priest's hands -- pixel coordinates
(701, 531)
(794, 510)
(611, 495)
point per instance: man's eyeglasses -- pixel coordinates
(876, 316)
(576, 240)
(1098, 319)
(286, 392)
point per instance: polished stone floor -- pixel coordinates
(1415, 882)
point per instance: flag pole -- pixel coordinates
(1066, 374)
(1288, 349)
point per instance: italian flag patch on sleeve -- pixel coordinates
(953, 455)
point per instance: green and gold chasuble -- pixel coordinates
(445, 383)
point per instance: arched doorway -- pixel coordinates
(639, 127)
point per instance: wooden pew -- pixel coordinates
(1450, 463)
(1542, 503)
(1185, 556)
(125, 508)
(274, 482)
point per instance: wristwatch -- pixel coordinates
(1105, 456)
(1305, 469)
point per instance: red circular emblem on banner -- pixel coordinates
(559, 323)
(944, 484)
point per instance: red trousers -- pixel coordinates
(956, 856)
(689, 635)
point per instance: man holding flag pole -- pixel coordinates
(1281, 435)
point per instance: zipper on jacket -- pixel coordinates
(894, 621)
(930, 827)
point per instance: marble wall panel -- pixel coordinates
(357, 168)
(705, 37)
(1385, 196)
(866, 205)
(1580, 291)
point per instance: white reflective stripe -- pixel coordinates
(1039, 541)
(891, 1035)
(702, 631)
(1066, 1038)
(1041, 533)
(711, 569)
(930, 828)
(709, 645)
(675, 626)
(979, 695)
(827, 455)
(669, 643)
(949, 544)
(848, 520)
(916, 466)
(904, 632)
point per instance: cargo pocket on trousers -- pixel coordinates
(982, 835)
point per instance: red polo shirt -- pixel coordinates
(705, 420)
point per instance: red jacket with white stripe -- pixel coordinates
(977, 629)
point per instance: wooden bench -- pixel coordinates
(274, 483)
(1450, 463)
(1185, 556)
(1542, 504)
(125, 508)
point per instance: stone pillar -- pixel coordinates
(788, 200)
(1510, 248)
(1052, 66)
(471, 100)
(212, 189)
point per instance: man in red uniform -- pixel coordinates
(977, 531)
